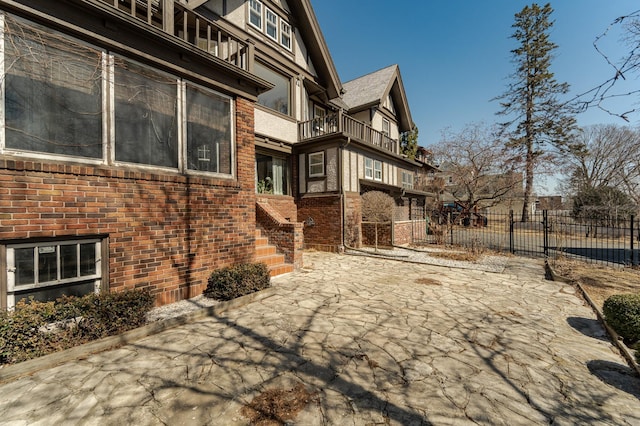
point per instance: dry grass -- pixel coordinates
(276, 407)
(599, 281)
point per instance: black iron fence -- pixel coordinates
(551, 234)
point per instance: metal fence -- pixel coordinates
(551, 234)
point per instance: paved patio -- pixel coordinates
(375, 341)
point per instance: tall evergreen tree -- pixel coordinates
(409, 142)
(536, 117)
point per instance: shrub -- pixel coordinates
(622, 313)
(235, 281)
(37, 328)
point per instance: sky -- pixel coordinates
(455, 55)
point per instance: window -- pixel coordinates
(407, 180)
(52, 92)
(54, 105)
(146, 115)
(386, 127)
(209, 137)
(46, 271)
(272, 175)
(368, 168)
(272, 25)
(377, 170)
(285, 35)
(316, 164)
(372, 169)
(255, 13)
(277, 98)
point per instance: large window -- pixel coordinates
(64, 98)
(46, 271)
(277, 98)
(209, 143)
(255, 13)
(53, 93)
(146, 115)
(272, 175)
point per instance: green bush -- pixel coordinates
(622, 313)
(36, 328)
(235, 281)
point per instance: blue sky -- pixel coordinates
(454, 55)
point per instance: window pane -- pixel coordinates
(272, 175)
(68, 261)
(255, 13)
(209, 145)
(285, 31)
(278, 97)
(53, 92)
(47, 264)
(87, 259)
(53, 293)
(145, 116)
(272, 25)
(24, 266)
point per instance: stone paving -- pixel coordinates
(375, 341)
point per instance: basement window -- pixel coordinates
(46, 271)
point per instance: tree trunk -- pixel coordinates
(376, 228)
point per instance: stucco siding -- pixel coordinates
(279, 128)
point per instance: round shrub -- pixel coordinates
(235, 281)
(622, 313)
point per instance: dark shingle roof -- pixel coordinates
(369, 88)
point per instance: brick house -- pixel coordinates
(145, 143)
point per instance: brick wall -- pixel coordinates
(285, 205)
(166, 232)
(369, 234)
(403, 232)
(287, 236)
(353, 220)
(322, 216)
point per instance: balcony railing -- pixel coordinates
(176, 19)
(348, 126)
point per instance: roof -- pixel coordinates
(371, 89)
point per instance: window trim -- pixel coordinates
(377, 170)
(368, 168)
(407, 179)
(275, 24)
(286, 33)
(255, 12)
(386, 123)
(9, 257)
(316, 163)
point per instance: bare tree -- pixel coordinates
(482, 170)
(377, 207)
(605, 155)
(617, 85)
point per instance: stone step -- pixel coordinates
(268, 254)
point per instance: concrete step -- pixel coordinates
(268, 254)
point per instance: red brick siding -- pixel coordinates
(326, 213)
(166, 232)
(353, 220)
(284, 205)
(287, 236)
(402, 232)
(369, 234)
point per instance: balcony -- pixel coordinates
(339, 123)
(176, 19)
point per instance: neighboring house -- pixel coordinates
(145, 143)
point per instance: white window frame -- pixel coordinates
(407, 180)
(386, 123)
(377, 170)
(316, 159)
(368, 168)
(255, 9)
(274, 24)
(286, 34)
(13, 288)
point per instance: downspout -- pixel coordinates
(343, 198)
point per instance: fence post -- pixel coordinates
(545, 226)
(511, 248)
(451, 227)
(633, 257)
